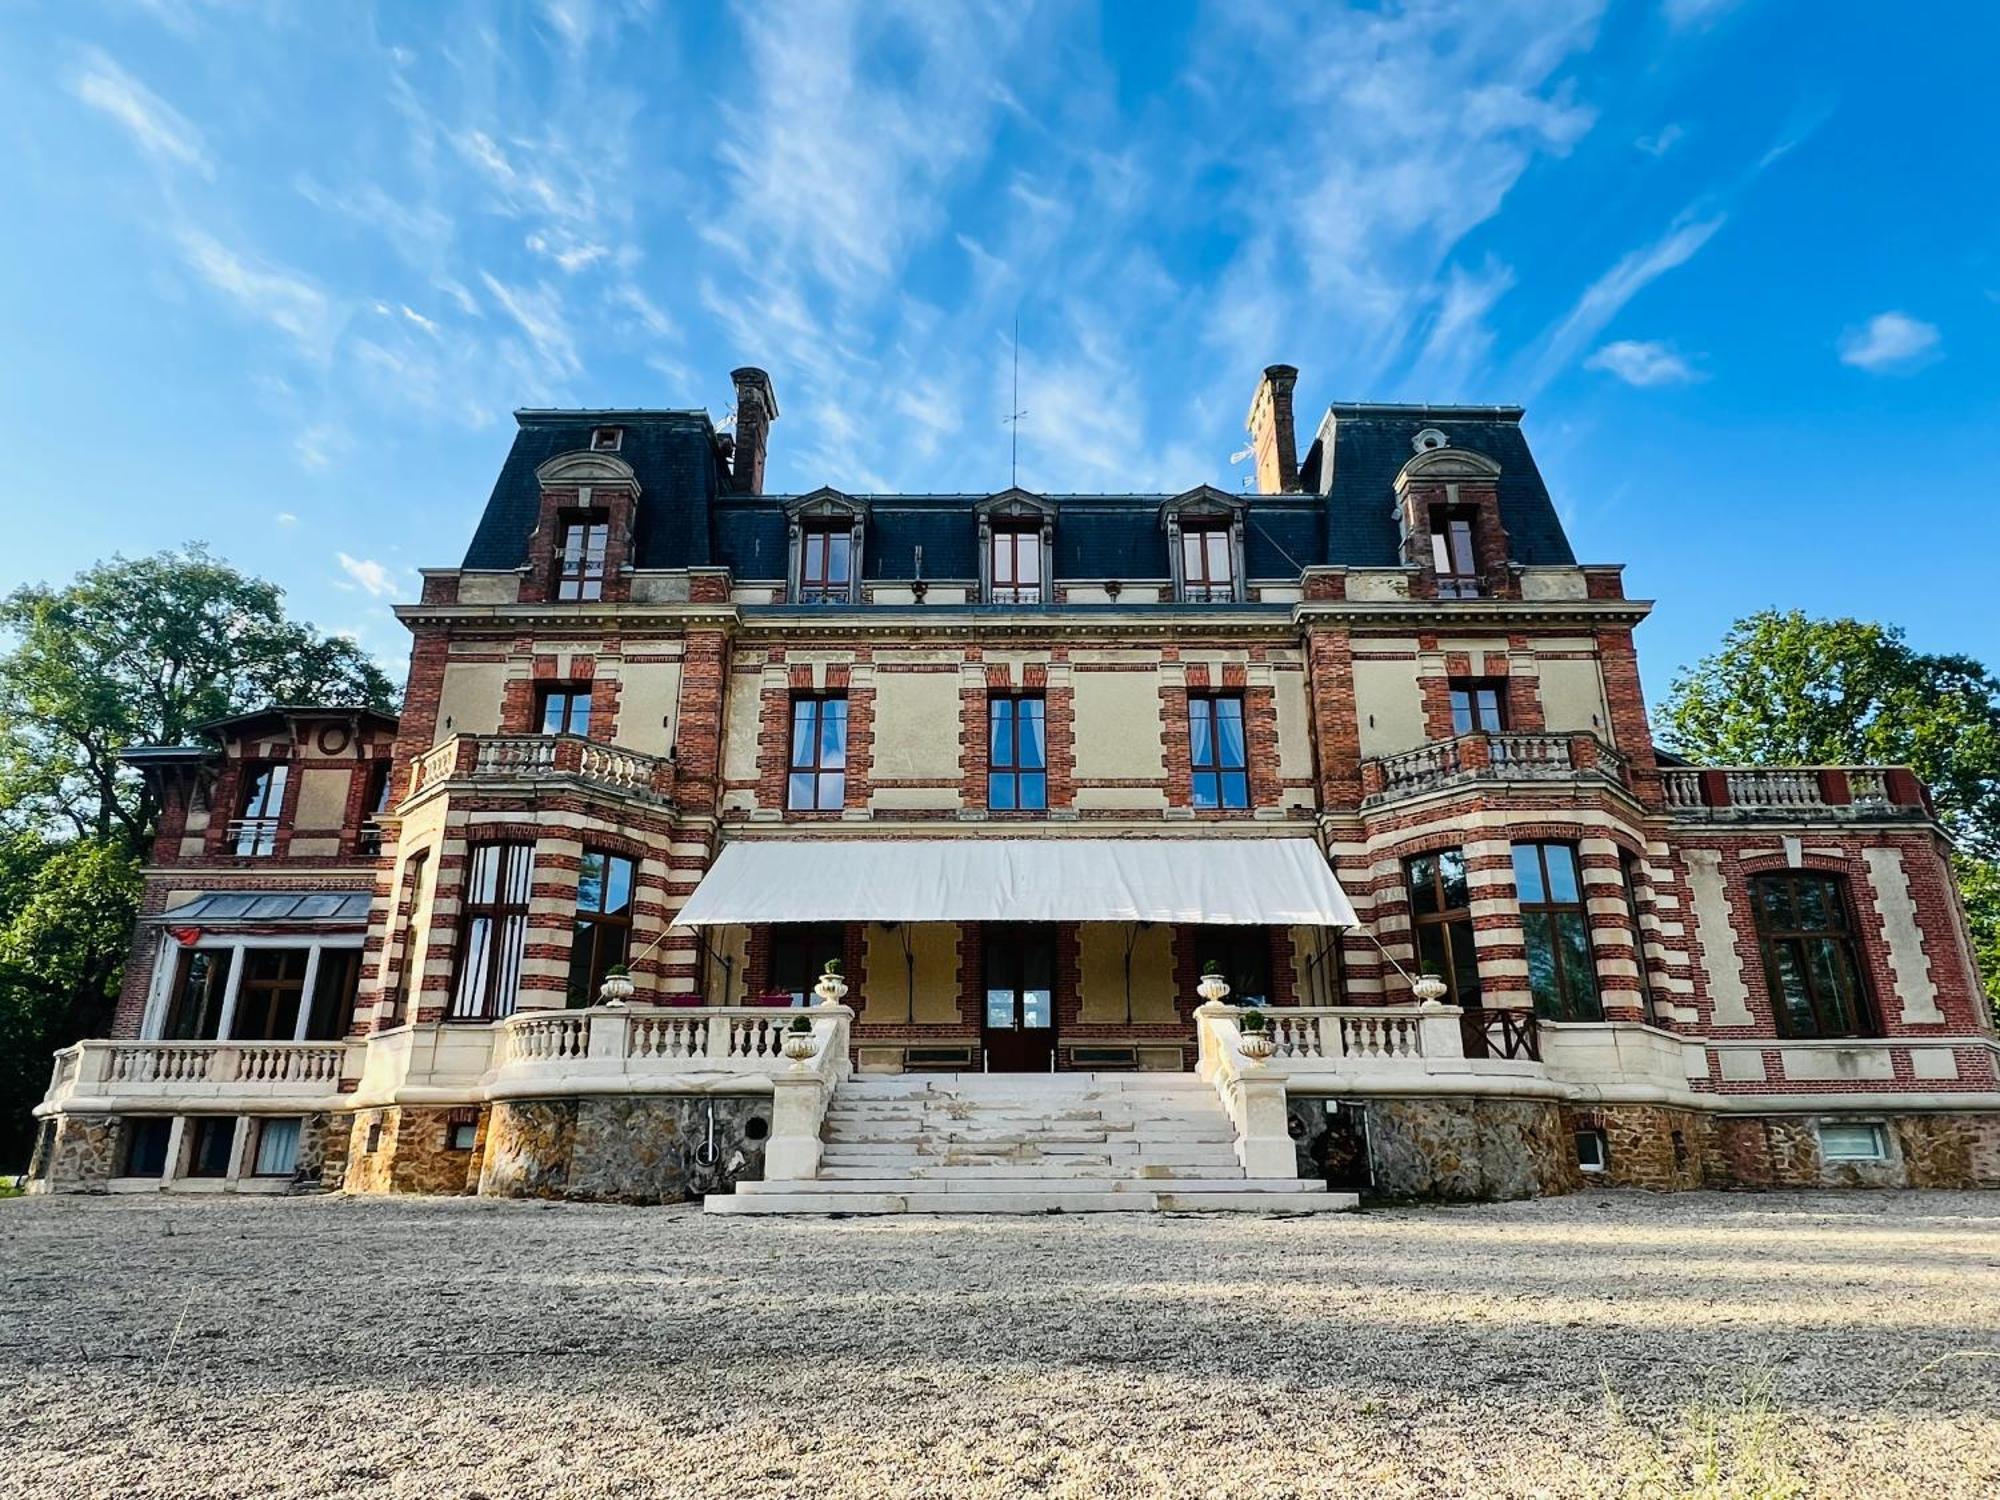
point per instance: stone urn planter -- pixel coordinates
(1213, 987)
(831, 989)
(617, 987)
(1430, 990)
(1256, 1042)
(799, 1043)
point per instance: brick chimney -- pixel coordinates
(1271, 437)
(756, 410)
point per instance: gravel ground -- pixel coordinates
(1602, 1344)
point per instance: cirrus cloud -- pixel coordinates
(1890, 341)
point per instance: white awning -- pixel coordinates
(1282, 882)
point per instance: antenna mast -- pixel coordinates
(1015, 414)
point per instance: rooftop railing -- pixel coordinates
(1855, 791)
(1490, 757)
(504, 758)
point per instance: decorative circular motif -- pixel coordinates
(333, 739)
(1428, 439)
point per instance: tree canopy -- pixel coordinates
(142, 651)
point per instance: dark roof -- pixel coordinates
(1371, 443)
(689, 518)
(240, 908)
(299, 710)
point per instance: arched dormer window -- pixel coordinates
(583, 535)
(1448, 509)
(1017, 539)
(827, 530)
(1205, 546)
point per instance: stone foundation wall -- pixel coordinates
(1650, 1146)
(1451, 1150)
(79, 1155)
(638, 1149)
(1925, 1151)
(412, 1152)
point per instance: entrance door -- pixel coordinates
(1020, 999)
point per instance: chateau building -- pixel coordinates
(1117, 850)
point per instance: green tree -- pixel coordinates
(142, 651)
(1786, 689)
(133, 652)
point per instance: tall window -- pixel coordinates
(335, 983)
(406, 946)
(1017, 564)
(1628, 869)
(826, 565)
(1452, 554)
(497, 882)
(194, 1009)
(1243, 954)
(580, 547)
(1478, 704)
(1208, 562)
(566, 710)
(1441, 916)
(1810, 960)
(1561, 971)
(818, 780)
(799, 951)
(602, 931)
(1017, 770)
(1216, 752)
(263, 801)
(374, 803)
(268, 995)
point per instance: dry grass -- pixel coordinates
(1611, 1344)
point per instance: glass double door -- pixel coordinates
(1020, 1022)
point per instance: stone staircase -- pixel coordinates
(1028, 1143)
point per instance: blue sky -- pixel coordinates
(274, 275)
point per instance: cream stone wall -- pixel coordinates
(887, 976)
(1101, 971)
(1118, 726)
(916, 724)
(322, 799)
(730, 944)
(469, 701)
(489, 588)
(1573, 696)
(1288, 696)
(648, 700)
(1388, 706)
(741, 720)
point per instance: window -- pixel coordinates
(335, 984)
(1208, 561)
(461, 1135)
(602, 930)
(211, 1141)
(406, 946)
(256, 829)
(374, 803)
(277, 1148)
(1593, 1150)
(1628, 868)
(1452, 556)
(1810, 961)
(267, 998)
(194, 1009)
(1017, 770)
(1853, 1143)
(818, 780)
(1243, 954)
(1216, 750)
(566, 710)
(826, 564)
(1561, 972)
(146, 1140)
(1478, 704)
(1441, 915)
(1017, 564)
(799, 952)
(607, 439)
(497, 882)
(580, 548)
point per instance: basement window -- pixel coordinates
(1593, 1151)
(607, 439)
(461, 1135)
(1853, 1143)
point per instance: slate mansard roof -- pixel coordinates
(1344, 516)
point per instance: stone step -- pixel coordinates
(1029, 1185)
(1163, 1153)
(806, 1200)
(1074, 1170)
(906, 1136)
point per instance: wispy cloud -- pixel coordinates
(1661, 141)
(538, 312)
(369, 575)
(1606, 297)
(287, 300)
(1890, 342)
(1686, 14)
(156, 127)
(1643, 363)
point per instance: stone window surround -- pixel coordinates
(1207, 504)
(167, 964)
(824, 510)
(1017, 510)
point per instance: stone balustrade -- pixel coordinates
(1490, 757)
(109, 1076)
(637, 1049)
(1724, 792)
(487, 759)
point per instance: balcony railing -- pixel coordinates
(1853, 791)
(502, 758)
(254, 838)
(1490, 757)
(632, 1048)
(108, 1075)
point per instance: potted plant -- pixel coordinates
(1213, 987)
(831, 989)
(617, 986)
(798, 1043)
(1255, 1029)
(1429, 987)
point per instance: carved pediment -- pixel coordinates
(825, 503)
(1447, 466)
(1202, 500)
(586, 467)
(1015, 502)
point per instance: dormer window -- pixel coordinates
(826, 531)
(1205, 546)
(607, 439)
(1017, 562)
(1016, 547)
(1453, 557)
(580, 547)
